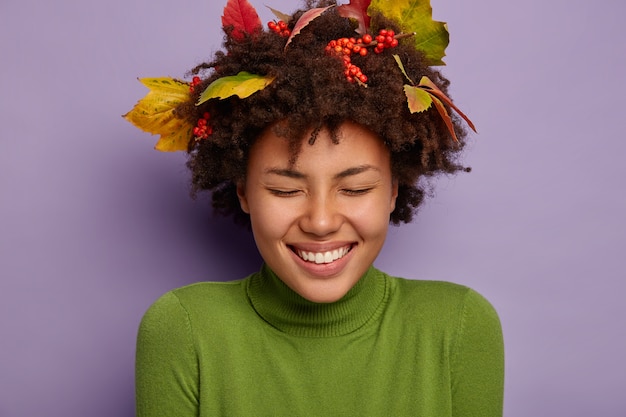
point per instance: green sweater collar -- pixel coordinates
(289, 312)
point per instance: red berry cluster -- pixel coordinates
(203, 129)
(279, 27)
(194, 82)
(385, 39)
(345, 47)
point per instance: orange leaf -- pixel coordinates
(428, 85)
(445, 116)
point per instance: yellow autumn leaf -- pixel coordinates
(241, 85)
(155, 113)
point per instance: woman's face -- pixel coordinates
(321, 222)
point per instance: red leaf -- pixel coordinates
(357, 9)
(306, 18)
(243, 17)
(445, 116)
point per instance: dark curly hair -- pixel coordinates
(309, 93)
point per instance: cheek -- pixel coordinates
(269, 218)
(371, 218)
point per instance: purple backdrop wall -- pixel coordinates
(94, 225)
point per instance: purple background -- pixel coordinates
(94, 225)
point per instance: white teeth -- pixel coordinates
(323, 257)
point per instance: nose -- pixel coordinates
(321, 217)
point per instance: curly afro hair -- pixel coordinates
(309, 93)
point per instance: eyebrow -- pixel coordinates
(292, 173)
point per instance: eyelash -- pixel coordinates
(281, 193)
(290, 193)
(360, 191)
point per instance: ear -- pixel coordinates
(241, 195)
(394, 195)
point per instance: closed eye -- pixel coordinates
(357, 191)
(283, 193)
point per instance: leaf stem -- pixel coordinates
(398, 37)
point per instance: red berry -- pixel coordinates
(367, 38)
(363, 52)
(394, 43)
(382, 32)
(282, 25)
(271, 25)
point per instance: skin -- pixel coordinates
(336, 197)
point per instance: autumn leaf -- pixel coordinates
(243, 17)
(431, 36)
(280, 15)
(241, 85)
(430, 86)
(155, 113)
(418, 99)
(357, 10)
(399, 62)
(306, 18)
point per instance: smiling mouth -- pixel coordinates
(323, 257)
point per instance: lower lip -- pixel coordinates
(328, 270)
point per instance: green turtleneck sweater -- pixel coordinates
(253, 347)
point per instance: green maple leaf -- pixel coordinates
(431, 37)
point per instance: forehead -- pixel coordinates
(355, 145)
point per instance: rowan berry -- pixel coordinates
(194, 82)
(367, 39)
(202, 130)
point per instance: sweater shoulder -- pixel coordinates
(440, 299)
(203, 300)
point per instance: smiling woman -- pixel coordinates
(316, 133)
(320, 223)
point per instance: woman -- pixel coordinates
(317, 157)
